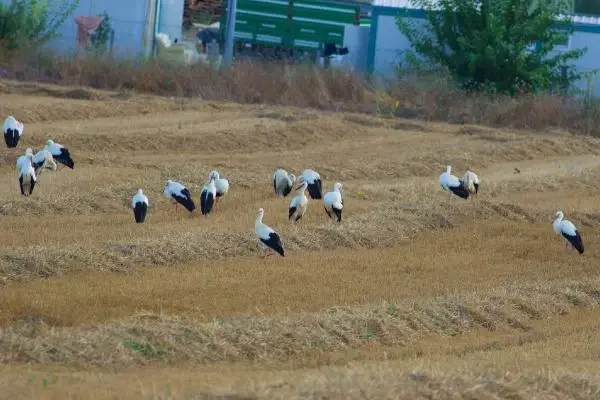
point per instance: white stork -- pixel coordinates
(28, 156)
(221, 186)
(315, 186)
(60, 153)
(43, 160)
(139, 203)
(13, 130)
(452, 184)
(299, 203)
(283, 182)
(471, 182)
(269, 241)
(179, 194)
(567, 230)
(208, 195)
(27, 178)
(334, 203)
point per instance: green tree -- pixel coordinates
(591, 7)
(30, 23)
(101, 36)
(497, 45)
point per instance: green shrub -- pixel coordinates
(31, 23)
(501, 46)
(101, 36)
(590, 7)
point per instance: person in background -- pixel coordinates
(205, 35)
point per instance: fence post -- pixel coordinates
(228, 53)
(111, 43)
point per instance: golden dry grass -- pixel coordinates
(411, 296)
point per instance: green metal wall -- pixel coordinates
(301, 24)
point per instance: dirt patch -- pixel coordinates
(409, 126)
(364, 121)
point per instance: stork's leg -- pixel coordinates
(261, 251)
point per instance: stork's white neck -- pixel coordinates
(559, 217)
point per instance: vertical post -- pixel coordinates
(228, 53)
(111, 43)
(149, 31)
(157, 7)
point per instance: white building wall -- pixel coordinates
(356, 39)
(590, 61)
(128, 20)
(171, 18)
(390, 45)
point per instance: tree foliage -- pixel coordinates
(27, 23)
(497, 45)
(591, 7)
(101, 36)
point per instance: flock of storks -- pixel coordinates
(469, 184)
(269, 241)
(31, 165)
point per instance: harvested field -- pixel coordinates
(413, 295)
